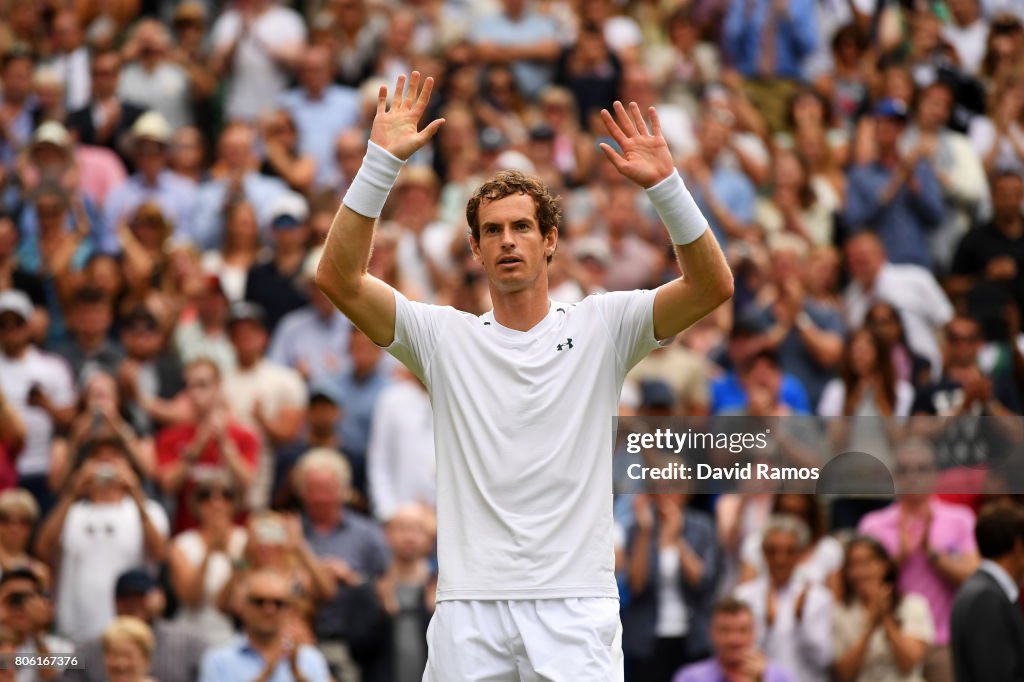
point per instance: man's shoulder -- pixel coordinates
(698, 672)
(956, 513)
(879, 519)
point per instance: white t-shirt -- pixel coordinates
(522, 432)
(257, 79)
(99, 542)
(16, 380)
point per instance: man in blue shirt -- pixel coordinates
(264, 651)
(522, 38)
(321, 111)
(897, 196)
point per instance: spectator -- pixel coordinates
(102, 525)
(201, 558)
(321, 110)
(13, 275)
(820, 561)
(26, 610)
(931, 542)
(967, 33)
(591, 71)
(896, 195)
(12, 440)
(408, 589)
(736, 655)
(206, 336)
(910, 289)
(100, 414)
(521, 37)
(995, 252)
(211, 440)
(672, 573)
(361, 386)
(70, 59)
(91, 348)
(800, 205)
(633, 260)
(313, 339)
(234, 176)
(266, 651)
(793, 618)
(18, 102)
(40, 389)
(238, 252)
(350, 545)
(987, 631)
(152, 79)
(127, 647)
(18, 516)
(867, 384)
(105, 119)
(190, 52)
(175, 654)
(283, 158)
(400, 454)
(881, 633)
(266, 397)
(148, 142)
(150, 376)
(884, 321)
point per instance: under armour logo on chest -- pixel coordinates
(564, 346)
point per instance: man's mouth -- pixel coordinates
(509, 260)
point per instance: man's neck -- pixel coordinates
(90, 344)
(915, 504)
(522, 310)
(315, 94)
(327, 523)
(326, 440)
(411, 572)
(1010, 226)
(150, 179)
(265, 646)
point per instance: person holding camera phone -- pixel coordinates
(26, 610)
(102, 525)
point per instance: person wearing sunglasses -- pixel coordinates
(931, 541)
(793, 617)
(266, 650)
(19, 513)
(28, 612)
(201, 559)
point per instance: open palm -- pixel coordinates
(397, 129)
(645, 157)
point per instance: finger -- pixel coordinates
(431, 130)
(424, 97)
(396, 101)
(613, 128)
(638, 119)
(655, 122)
(382, 99)
(410, 92)
(625, 122)
(612, 155)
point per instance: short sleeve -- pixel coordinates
(629, 317)
(831, 402)
(60, 389)
(225, 30)
(750, 552)
(916, 618)
(294, 393)
(418, 327)
(158, 517)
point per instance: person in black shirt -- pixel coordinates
(13, 276)
(278, 284)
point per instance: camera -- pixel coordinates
(105, 473)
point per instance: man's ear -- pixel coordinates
(551, 242)
(475, 248)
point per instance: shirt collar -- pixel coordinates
(1003, 578)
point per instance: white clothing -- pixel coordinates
(98, 543)
(17, 377)
(73, 70)
(522, 432)
(673, 620)
(206, 619)
(275, 387)
(257, 80)
(921, 302)
(400, 463)
(879, 664)
(826, 559)
(969, 43)
(165, 90)
(804, 648)
(547, 640)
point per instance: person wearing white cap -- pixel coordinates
(39, 387)
(152, 181)
(312, 340)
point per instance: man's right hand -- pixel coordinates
(397, 129)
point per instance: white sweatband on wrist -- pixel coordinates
(372, 184)
(683, 219)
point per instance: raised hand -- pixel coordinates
(645, 158)
(397, 129)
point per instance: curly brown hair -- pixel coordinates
(506, 183)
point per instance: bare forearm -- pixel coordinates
(638, 562)
(849, 663)
(907, 651)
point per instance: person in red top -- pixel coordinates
(211, 441)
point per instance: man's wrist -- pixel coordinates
(679, 212)
(372, 184)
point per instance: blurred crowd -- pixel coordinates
(208, 474)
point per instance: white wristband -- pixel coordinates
(683, 219)
(372, 184)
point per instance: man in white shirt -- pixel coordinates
(38, 386)
(793, 620)
(523, 399)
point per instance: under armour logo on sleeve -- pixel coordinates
(566, 346)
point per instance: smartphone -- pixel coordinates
(105, 473)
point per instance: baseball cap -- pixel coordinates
(17, 302)
(246, 311)
(152, 126)
(325, 389)
(592, 247)
(288, 210)
(657, 394)
(52, 132)
(889, 107)
(133, 582)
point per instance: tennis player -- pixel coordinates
(523, 400)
